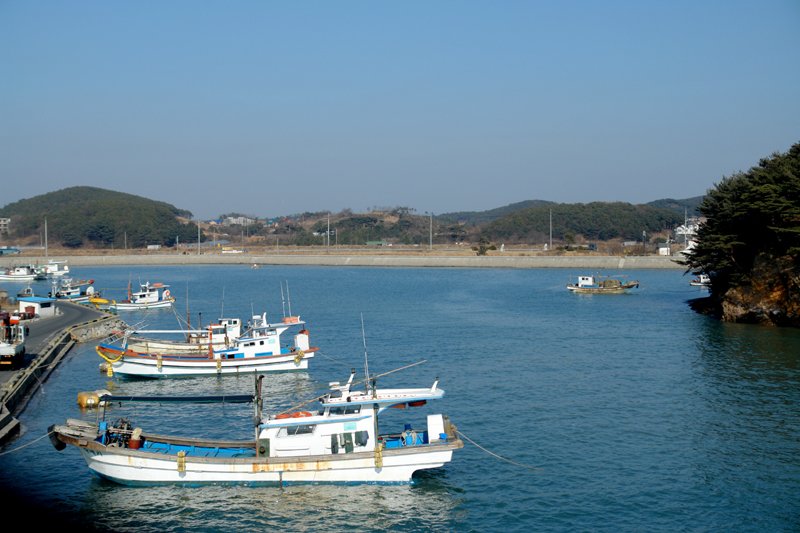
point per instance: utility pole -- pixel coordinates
(329, 233)
(431, 245)
(551, 229)
(45, 236)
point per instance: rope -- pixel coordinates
(550, 288)
(24, 445)
(461, 434)
(331, 358)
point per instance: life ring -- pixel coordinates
(166, 294)
(303, 331)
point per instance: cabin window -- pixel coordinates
(345, 410)
(291, 431)
(261, 343)
(272, 332)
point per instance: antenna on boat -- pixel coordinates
(283, 300)
(288, 299)
(366, 361)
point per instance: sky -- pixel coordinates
(274, 108)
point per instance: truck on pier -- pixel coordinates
(12, 343)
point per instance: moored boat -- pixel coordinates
(223, 334)
(19, 273)
(601, 285)
(258, 350)
(702, 280)
(155, 296)
(56, 269)
(79, 291)
(339, 443)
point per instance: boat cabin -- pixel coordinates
(347, 422)
(149, 293)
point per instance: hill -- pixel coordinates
(595, 221)
(480, 218)
(687, 206)
(83, 215)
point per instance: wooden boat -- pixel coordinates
(601, 285)
(223, 334)
(260, 350)
(339, 443)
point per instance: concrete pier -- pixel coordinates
(420, 260)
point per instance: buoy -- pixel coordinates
(91, 399)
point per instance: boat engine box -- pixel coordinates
(436, 428)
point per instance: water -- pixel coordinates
(637, 413)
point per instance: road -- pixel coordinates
(43, 330)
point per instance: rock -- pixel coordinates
(770, 296)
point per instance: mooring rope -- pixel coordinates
(25, 445)
(461, 434)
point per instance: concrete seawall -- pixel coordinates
(423, 261)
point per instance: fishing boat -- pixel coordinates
(77, 291)
(155, 296)
(259, 350)
(701, 281)
(339, 443)
(56, 269)
(215, 336)
(601, 285)
(19, 273)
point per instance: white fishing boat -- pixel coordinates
(339, 443)
(19, 273)
(701, 281)
(77, 291)
(56, 269)
(601, 285)
(259, 350)
(155, 296)
(223, 334)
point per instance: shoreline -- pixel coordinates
(395, 261)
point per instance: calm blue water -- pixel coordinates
(637, 413)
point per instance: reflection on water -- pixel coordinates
(427, 505)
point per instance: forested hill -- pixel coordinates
(89, 215)
(686, 207)
(79, 196)
(595, 221)
(483, 217)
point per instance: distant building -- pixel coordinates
(4, 222)
(238, 221)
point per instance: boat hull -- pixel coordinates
(622, 289)
(154, 366)
(165, 347)
(135, 467)
(133, 306)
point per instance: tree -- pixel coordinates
(749, 215)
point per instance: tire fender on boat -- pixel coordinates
(54, 440)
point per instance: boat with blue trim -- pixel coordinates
(341, 442)
(258, 350)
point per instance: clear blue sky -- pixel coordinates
(271, 108)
